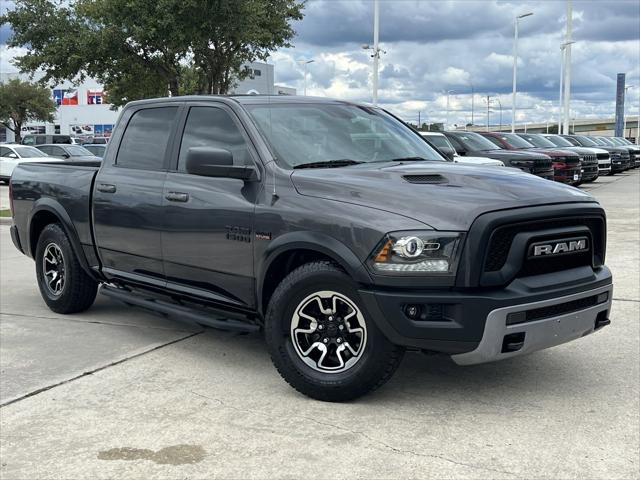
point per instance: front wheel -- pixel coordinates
(321, 339)
(64, 285)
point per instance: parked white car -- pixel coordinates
(13, 154)
(438, 140)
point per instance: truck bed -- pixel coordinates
(62, 187)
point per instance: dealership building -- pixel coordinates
(83, 110)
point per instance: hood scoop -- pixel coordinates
(427, 179)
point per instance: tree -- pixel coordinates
(147, 48)
(22, 102)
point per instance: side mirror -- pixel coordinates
(65, 155)
(217, 162)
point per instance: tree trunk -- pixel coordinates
(17, 133)
(174, 87)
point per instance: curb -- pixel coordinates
(6, 220)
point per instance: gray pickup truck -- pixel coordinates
(330, 226)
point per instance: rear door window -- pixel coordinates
(144, 143)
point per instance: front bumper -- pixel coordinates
(568, 175)
(501, 340)
(462, 316)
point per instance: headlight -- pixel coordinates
(417, 253)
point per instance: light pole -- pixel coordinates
(376, 49)
(515, 69)
(305, 63)
(472, 101)
(560, 110)
(447, 118)
(488, 110)
(500, 105)
(567, 67)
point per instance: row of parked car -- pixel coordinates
(570, 159)
(13, 154)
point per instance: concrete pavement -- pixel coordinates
(119, 393)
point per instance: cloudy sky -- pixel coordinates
(434, 46)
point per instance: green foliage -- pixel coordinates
(146, 48)
(21, 102)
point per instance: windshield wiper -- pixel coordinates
(345, 162)
(408, 159)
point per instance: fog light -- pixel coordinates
(413, 311)
(603, 297)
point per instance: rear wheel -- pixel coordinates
(321, 339)
(64, 285)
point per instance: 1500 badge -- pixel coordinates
(238, 234)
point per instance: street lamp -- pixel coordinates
(560, 106)
(447, 120)
(515, 68)
(376, 49)
(305, 63)
(567, 68)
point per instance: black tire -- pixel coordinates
(376, 364)
(79, 290)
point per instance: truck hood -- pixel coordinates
(465, 191)
(501, 154)
(478, 161)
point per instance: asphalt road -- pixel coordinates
(120, 393)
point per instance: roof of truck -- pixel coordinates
(244, 99)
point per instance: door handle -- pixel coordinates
(106, 188)
(177, 197)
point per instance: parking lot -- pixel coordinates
(118, 392)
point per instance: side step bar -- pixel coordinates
(177, 311)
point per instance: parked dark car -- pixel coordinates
(566, 164)
(603, 157)
(634, 150)
(68, 152)
(97, 150)
(332, 226)
(588, 158)
(472, 144)
(620, 158)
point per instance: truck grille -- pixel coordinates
(603, 156)
(502, 239)
(542, 166)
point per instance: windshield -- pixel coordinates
(439, 141)
(515, 141)
(473, 141)
(302, 134)
(26, 152)
(600, 142)
(77, 151)
(617, 141)
(559, 141)
(587, 142)
(606, 141)
(538, 141)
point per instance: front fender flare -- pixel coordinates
(314, 241)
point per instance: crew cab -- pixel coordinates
(566, 164)
(472, 144)
(331, 226)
